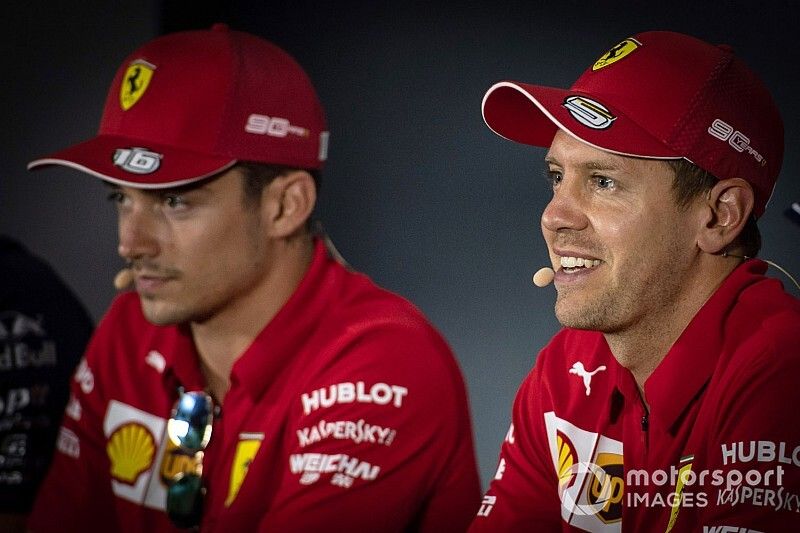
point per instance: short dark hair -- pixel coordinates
(692, 181)
(256, 176)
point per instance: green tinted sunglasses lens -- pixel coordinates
(189, 430)
(185, 501)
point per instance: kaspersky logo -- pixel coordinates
(135, 82)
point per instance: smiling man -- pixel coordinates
(252, 381)
(667, 401)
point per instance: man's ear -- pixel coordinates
(726, 209)
(288, 201)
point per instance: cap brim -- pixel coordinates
(175, 167)
(531, 114)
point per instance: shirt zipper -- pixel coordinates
(645, 431)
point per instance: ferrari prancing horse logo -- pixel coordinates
(135, 82)
(616, 53)
(246, 451)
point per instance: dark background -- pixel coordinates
(417, 192)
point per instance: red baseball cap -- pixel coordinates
(659, 95)
(189, 105)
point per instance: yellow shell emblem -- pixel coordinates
(566, 460)
(135, 82)
(616, 53)
(131, 449)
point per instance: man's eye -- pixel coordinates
(604, 183)
(174, 201)
(554, 177)
(116, 197)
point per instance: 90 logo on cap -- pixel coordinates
(738, 140)
(272, 126)
(137, 160)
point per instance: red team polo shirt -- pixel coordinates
(718, 451)
(348, 412)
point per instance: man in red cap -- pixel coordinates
(666, 402)
(252, 381)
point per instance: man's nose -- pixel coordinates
(137, 234)
(565, 210)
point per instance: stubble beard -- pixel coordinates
(618, 308)
(603, 313)
(161, 314)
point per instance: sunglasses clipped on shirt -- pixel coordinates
(188, 430)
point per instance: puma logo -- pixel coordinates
(156, 360)
(579, 370)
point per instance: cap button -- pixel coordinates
(219, 26)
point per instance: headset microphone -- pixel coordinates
(767, 261)
(543, 277)
(123, 279)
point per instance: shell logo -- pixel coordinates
(566, 460)
(131, 449)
